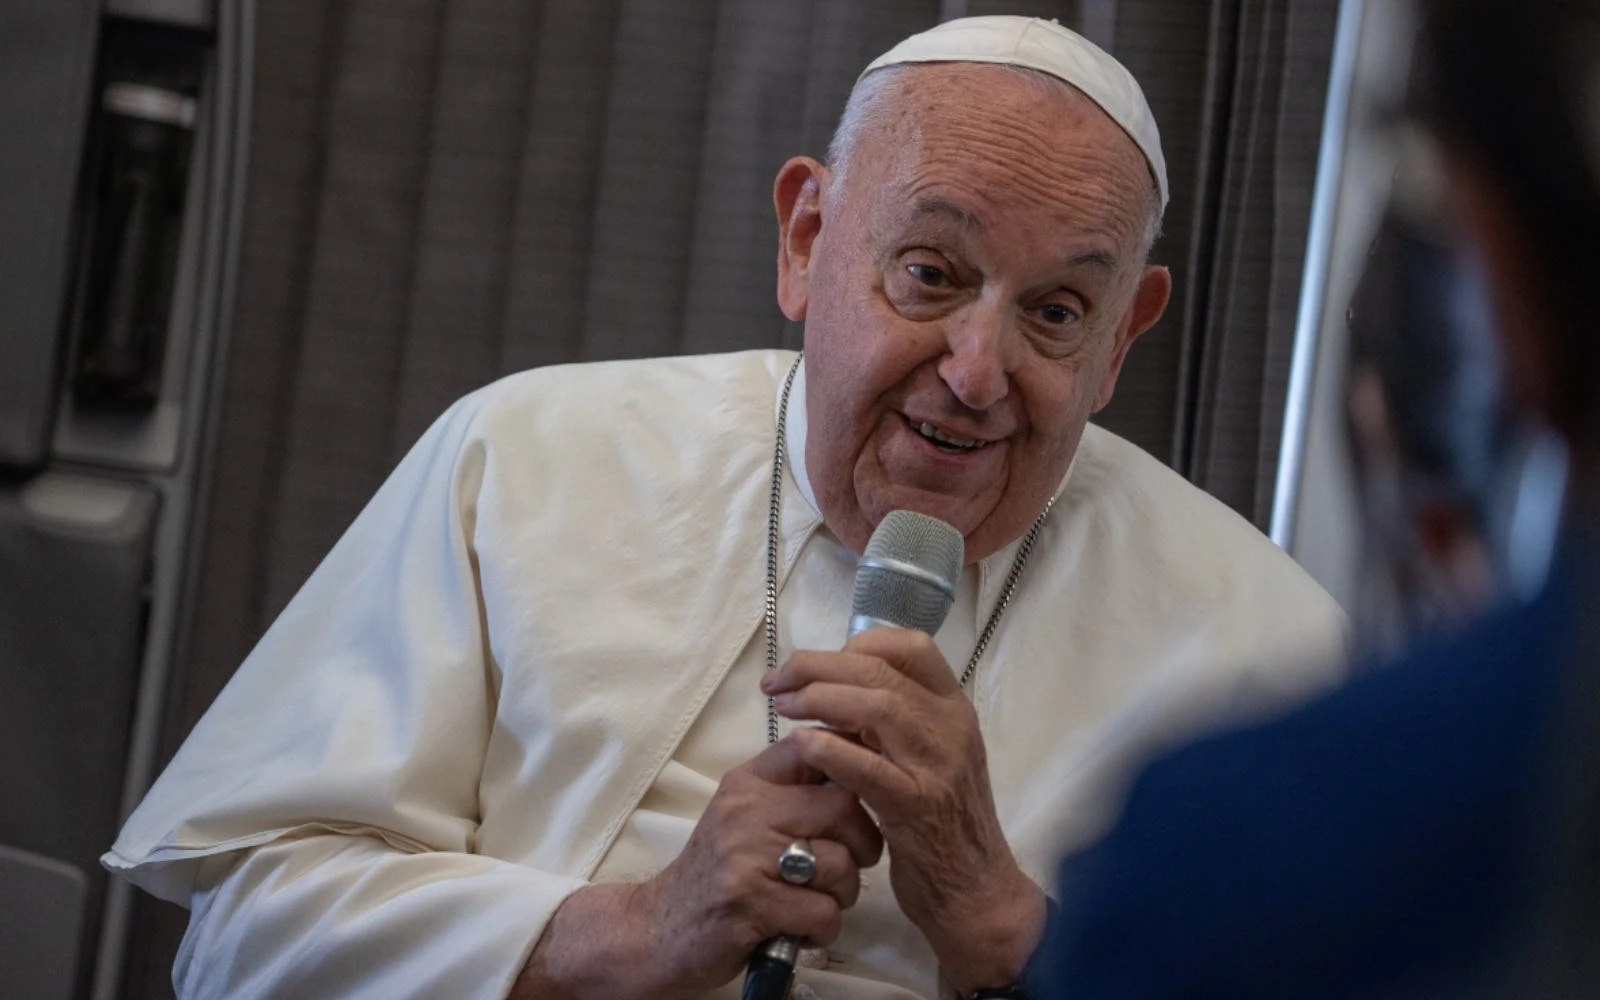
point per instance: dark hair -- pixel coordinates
(1514, 86)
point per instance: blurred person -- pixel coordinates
(514, 733)
(1432, 829)
(1460, 487)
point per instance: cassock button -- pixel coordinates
(812, 958)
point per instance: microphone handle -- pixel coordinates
(771, 970)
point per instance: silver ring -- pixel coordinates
(797, 865)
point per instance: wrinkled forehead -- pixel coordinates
(1029, 152)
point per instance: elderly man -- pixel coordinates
(515, 735)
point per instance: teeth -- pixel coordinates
(933, 433)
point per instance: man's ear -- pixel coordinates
(797, 196)
(1149, 302)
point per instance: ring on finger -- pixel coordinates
(797, 865)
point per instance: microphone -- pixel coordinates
(906, 579)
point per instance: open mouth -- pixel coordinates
(948, 443)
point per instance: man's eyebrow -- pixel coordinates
(934, 205)
(1093, 258)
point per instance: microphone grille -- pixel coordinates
(906, 599)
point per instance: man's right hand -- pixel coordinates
(694, 926)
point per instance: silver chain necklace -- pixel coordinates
(774, 506)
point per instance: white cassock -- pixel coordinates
(530, 659)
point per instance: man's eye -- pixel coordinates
(928, 275)
(1057, 315)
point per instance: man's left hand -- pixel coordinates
(917, 760)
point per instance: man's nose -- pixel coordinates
(980, 348)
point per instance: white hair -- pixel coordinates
(869, 110)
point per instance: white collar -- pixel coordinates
(794, 443)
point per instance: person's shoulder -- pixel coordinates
(664, 386)
(1440, 698)
(595, 401)
(1464, 707)
(692, 413)
(1112, 469)
(1450, 725)
(1385, 810)
(1158, 518)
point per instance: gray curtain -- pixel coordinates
(444, 191)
